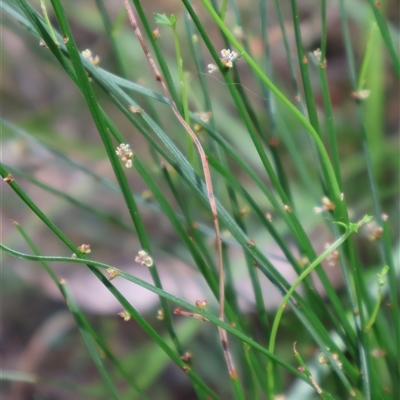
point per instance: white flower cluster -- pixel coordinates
(144, 259)
(92, 59)
(227, 58)
(125, 154)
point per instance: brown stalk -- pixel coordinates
(210, 192)
(178, 311)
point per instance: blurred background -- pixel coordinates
(44, 113)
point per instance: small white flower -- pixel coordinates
(125, 154)
(361, 94)
(327, 205)
(160, 314)
(204, 116)
(144, 259)
(211, 68)
(317, 54)
(228, 57)
(92, 59)
(238, 32)
(42, 43)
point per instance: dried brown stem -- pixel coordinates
(178, 311)
(207, 177)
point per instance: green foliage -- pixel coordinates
(221, 162)
(162, 19)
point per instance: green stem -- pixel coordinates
(393, 53)
(46, 18)
(182, 84)
(367, 58)
(330, 178)
(111, 36)
(224, 7)
(288, 53)
(375, 311)
(211, 317)
(303, 63)
(307, 372)
(286, 298)
(324, 30)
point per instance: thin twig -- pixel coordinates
(178, 311)
(303, 368)
(210, 192)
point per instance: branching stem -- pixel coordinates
(210, 193)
